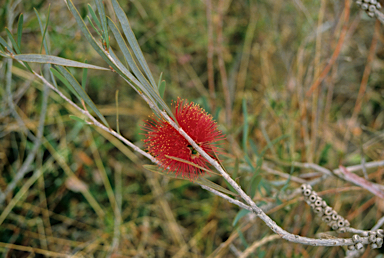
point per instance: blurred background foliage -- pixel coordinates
(266, 55)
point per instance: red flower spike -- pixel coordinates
(164, 142)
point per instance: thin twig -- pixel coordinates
(226, 197)
(267, 220)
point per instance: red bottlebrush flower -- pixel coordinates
(163, 141)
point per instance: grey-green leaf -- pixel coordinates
(65, 81)
(82, 93)
(239, 215)
(162, 89)
(5, 44)
(100, 8)
(15, 46)
(94, 17)
(132, 40)
(44, 59)
(20, 29)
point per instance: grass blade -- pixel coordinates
(36, 58)
(82, 93)
(20, 30)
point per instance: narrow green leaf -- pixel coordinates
(20, 30)
(248, 160)
(103, 19)
(44, 34)
(36, 58)
(131, 79)
(41, 30)
(245, 127)
(5, 44)
(84, 79)
(144, 85)
(121, 70)
(272, 143)
(93, 26)
(65, 81)
(128, 56)
(82, 93)
(236, 169)
(90, 38)
(206, 182)
(123, 73)
(239, 215)
(253, 146)
(45, 31)
(14, 44)
(94, 17)
(162, 89)
(254, 184)
(132, 40)
(160, 80)
(242, 238)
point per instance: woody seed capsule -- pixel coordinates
(307, 192)
(328, 210)
(372, 239)
(340, 223)
(356, 238)
(359, 246)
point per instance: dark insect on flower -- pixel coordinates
(170, 148)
